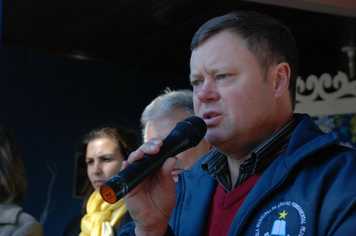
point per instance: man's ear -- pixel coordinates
(281, 79)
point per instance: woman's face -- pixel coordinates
(104, 159)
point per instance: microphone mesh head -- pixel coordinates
(194, 128)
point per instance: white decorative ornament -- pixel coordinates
(326, 95)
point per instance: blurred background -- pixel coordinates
(69, 66)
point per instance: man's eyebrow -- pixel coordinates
(193, 76)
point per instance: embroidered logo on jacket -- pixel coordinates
(283, 219)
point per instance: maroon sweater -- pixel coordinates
(225, 206)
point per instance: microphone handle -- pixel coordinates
(126, 180)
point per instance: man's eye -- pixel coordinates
(223, 76)
(195, 83)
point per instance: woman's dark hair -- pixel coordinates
(126, 139)
(13, 183)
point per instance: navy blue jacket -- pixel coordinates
(309, 190)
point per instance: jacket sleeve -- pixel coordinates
(28, 226)
(129, 230)
(345, 224)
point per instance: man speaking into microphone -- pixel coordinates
(273, 172)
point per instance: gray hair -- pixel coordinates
(163, 105)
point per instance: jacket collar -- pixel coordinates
(306, 139)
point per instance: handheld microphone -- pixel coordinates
(187, 133)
